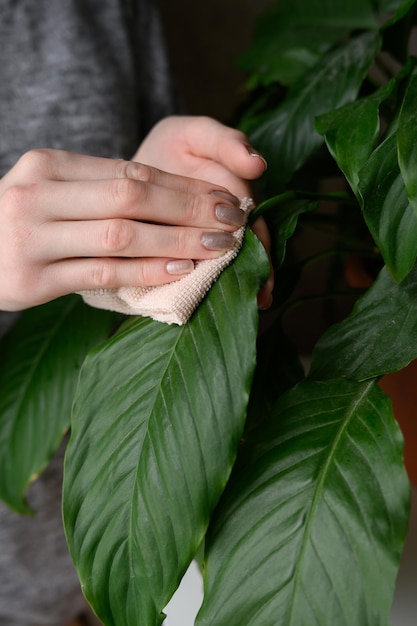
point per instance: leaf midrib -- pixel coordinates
(316, 497)
(296, 102)
(138, 553)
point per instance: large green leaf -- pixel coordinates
(286, 136)
(407, 148)
(352, 131)
(378, 337)
(156, 423)
(387, 210)
(290, 37)
(310, 528)
(39, 364)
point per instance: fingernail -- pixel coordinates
(180, 267)
(230, 215)
(226, 196)
(254, 153)
(218, 241)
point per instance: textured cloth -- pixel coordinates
(173, 303)
(89, 76)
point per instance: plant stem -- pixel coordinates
(287, 196)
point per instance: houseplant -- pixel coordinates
(213, 431)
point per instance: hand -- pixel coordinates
(200, 147)
(70, 222)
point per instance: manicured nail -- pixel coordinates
(180, 267)
(254, 153)
(230, 215)
(226, 196)
(218, 241)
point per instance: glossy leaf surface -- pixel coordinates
(157, 418)
(286, 136)
(310, 528)
(407, 149)
(376, 338)
(387, 210)
(286, 44)
(352, 131)
(283, 213)
(40, 359)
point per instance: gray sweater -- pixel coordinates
(89, 76)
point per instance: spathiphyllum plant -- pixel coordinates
(293, 476)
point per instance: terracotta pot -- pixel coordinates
(402, 389)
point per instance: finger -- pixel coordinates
(66, 166)
(60, 165)
(210, 170)
(131, 199)
(260, 229)
(210, 139)
(127, 238)
(79, 274)
(264, 297)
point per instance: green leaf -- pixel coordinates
(310, 528)
(399, 8)
(386, 208)
(290, 37)
(39, 365)
(286, 136)
(352, 131)
(156, 423)
(407, 149)
(284, 211)
(376, 338)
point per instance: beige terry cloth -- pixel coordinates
(172, 303)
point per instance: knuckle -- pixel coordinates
(36, 160)
(127, 193)
(122, 190)
(133, 170)
(12, 202)
(17, 199)
(140, 171)
(194, 205)
(117, 236)
(145, 275)
(102, 275)
(178, 241)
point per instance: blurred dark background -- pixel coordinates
(204, 41)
